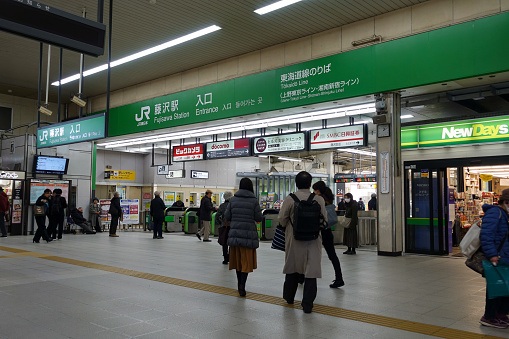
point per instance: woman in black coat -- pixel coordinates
(350, 233)
(43, 200)
(243, 212)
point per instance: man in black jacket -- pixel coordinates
(206, 208)
(116, 213)
(157, 208)
(77, 217)
(57, 206)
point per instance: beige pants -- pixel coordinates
(205, 229)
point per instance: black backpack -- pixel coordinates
(55, 206)
(307, 218)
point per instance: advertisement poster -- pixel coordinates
(130, 210)
(168, 198)
(37, 187)
(105, 207)
(146, 201)
(280, 143)
(16, 211)
(189, 152)
(346, 136)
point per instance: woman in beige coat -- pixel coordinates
(301, 257)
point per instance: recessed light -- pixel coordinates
(479, 78)
(492, 76)
(444, 84)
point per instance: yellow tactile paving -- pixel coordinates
(405, 325)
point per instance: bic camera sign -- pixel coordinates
(457, 133)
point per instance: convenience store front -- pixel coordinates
(451, 170)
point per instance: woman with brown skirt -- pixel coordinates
(242, 213)
(350, 233)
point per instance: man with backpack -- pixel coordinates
(57, 207)
(302, 216)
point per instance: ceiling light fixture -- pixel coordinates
(289, 159)
(357, 151)
(275, 6)
(269, 122)
(406, 116)
(141, 54)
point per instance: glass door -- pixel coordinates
(425, 211)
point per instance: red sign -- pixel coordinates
(146, 196)
(188, 153)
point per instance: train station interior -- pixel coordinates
(402, 103)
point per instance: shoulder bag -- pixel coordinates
(344, 221)
(39, 211)
(278, 243)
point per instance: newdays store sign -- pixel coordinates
(476, 131)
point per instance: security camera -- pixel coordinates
(45, 110)
(78, 101)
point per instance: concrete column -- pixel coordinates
(389, 179)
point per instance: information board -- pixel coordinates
(130, 210)
(79, 130)
(280, 143)
(346, 136)
(228, 149)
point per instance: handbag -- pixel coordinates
(278, 243)
(223, 235)
(472, 240)
(344, 221)
(39, 211)
(497, 279)
(475, 262)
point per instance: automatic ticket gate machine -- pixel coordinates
(173, 219)
(213, 226)
(191, 220)
(269, 223)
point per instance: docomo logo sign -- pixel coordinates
(223, 146)
(217, 146)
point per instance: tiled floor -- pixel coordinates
(41, 298)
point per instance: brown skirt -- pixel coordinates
(242, 259)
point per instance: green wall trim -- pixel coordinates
(422, 221)
(465, 50)
(94, 162)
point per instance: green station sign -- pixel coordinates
(460, 51)
(466, 132)
(79, 130)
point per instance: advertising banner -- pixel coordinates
(228, 149)
(79, 130)
(168, 198)
(105, 207)
(130, 210)
(280, 143)
(189, 152)
(37, 188)
(346, 136)
(465, 132)
(147, 198)
(119, 175)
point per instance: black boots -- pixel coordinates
(350, 250)
(241, 282)
(337, 283)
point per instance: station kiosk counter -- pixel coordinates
(191, 220)
(174, 219)
(269, 223)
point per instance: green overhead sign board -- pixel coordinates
(460, 51)
(79, 130)
(457, 133)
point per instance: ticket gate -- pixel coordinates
(173, 219)
(213, 226)
(269, 223)
(191, 220)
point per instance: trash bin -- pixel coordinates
(269, 223)
(173, 219)
(191, 220)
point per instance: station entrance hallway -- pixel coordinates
(135, 286)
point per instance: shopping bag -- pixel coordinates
(344, 221)
(475, 262)
(497, 279)
(278, 243)
(223, 235)
(472, 240)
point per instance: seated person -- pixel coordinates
(77, 217)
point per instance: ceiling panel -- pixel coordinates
(141, 24)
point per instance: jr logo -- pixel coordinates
(43, 136)
(145, 111)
